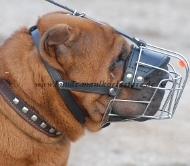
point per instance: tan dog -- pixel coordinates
(82, 51)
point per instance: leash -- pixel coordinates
(82, 14)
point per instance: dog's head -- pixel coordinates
(84, 51)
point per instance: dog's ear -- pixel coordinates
(58, 34)
(55, 40)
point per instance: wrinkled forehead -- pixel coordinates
(81, 23)
(86, 30)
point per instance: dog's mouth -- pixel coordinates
(135, 109)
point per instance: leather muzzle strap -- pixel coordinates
(25, 111)
(66, 95)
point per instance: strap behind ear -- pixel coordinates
(66, 95)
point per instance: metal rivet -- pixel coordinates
(129, 76)
(43, 125)
(34, 118)
(140, 78)
(25, 110)
(16, 101)
(136, 39)
(51, 130)
(111, 91)
(58, 133)
(60, 84)
(170, 116)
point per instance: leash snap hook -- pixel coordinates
(75, 13)
(82, 14)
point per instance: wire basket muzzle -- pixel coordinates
(142, 63)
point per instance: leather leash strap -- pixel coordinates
(26, 112)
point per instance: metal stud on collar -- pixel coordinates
(34, 118)
(25, 110)
(58, 133)
(43, 125)
(52, 130)
(16, 101)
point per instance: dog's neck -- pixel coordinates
(24, 70)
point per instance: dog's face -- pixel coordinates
(84, 51)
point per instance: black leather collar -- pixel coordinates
(27, 112)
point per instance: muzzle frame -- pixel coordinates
(173, 90)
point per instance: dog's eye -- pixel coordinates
(120, 57)
(119, 60)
